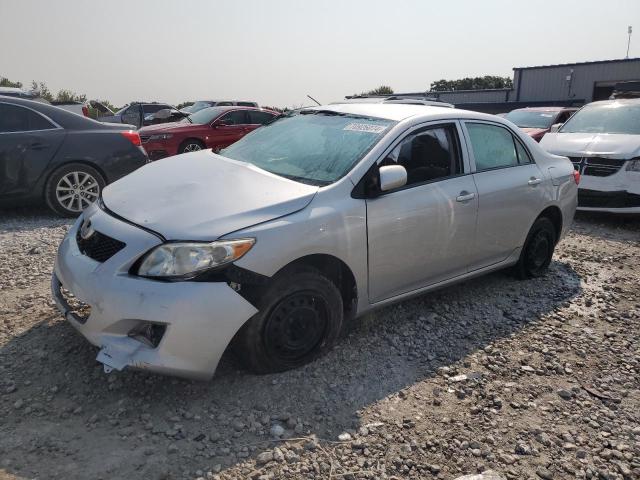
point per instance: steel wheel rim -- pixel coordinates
(75, 191)
(192, 147)
(538, 252)
(296, 326)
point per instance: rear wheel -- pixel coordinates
(191, 145)
(538, 250)
(72, 188)
(300, 318)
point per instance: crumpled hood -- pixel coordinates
(611, 145)
(203, 196)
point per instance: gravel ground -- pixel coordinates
(530, 379)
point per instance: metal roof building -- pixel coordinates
(560, 85)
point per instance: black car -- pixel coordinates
(51, 155)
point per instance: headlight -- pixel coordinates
(161, 136)
(185, 259)
(633, 165)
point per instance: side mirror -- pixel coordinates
(392, 176)
(555, 127)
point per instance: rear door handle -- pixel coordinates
(465, 196)
(534, 181)
(38, 146)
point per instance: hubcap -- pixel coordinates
(77, 190)
(192, 147)
(296, 327)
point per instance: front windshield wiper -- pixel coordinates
(305, 180)
(322, 112)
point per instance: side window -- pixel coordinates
(428, 155)
(523, 155)
(563, 117)
(19, 119)
(224, 104)
(153, 108)
(260, 118)
(237, 117)
(493, 146)
(247, 104)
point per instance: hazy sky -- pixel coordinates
(277, 51)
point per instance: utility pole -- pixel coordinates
(629, 40)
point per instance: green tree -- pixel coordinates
(381, 90)
(69, 96)
(472, 83)
(42, 90)
(5, 82)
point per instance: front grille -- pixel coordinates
(99, 246)
(597, 199)
(596, 166)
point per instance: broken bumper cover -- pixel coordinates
(199, 319)
(617, 193)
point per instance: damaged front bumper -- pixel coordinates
(194, 321)
(617, 192)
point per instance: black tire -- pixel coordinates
(538, 250)
(300, 317)
(61, 183)
(191, 145)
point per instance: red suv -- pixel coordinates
(214, 127)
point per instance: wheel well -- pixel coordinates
(554, 214)
(339, 273)
(81, 162)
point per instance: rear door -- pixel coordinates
(422, 233)
(28, 142)
(510, 191)
(229, 128)
(258, 118)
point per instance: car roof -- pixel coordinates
(402, 111)
(623, 101)
(68, 120)
(545, 109)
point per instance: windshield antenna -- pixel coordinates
(319, 104)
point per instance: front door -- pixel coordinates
(422, 233)
(510, 191)
(28, 142)
(228, 129)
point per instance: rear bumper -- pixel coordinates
(199, 319)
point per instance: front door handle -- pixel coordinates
(38, 146)
(465, 196)
(534, 181)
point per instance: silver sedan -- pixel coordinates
(273, 244)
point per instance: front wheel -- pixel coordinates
(72, 188)
(300, 317)
(191, 146)
(538, 250)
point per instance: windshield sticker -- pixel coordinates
(546, 115)
(365, 127)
